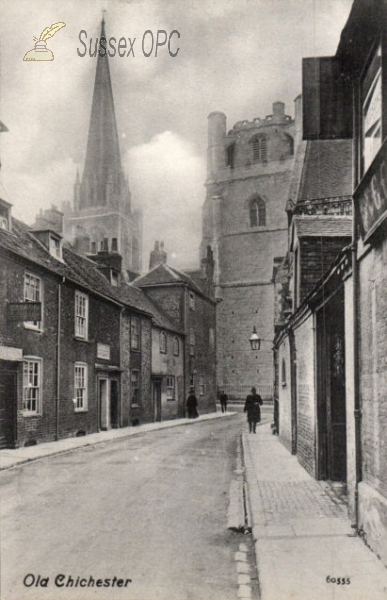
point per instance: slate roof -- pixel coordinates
(327, 171)
(164, 274)
(322, 225)
(81, 271)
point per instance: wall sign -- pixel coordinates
(371, 196)
(103, 351)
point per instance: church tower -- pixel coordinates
(249, 173)
(102, 216)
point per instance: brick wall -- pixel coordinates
(316, 256)
(306, 413)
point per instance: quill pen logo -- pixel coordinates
(41, 52)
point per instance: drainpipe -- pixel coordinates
(58, 357)
(355, 291)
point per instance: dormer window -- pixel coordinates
(55, 246)
(5, 215)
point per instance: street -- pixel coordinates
(143, 517)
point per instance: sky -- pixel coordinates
(235, 56)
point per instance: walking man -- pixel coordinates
(253, 408)
(223, 401)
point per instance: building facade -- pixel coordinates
(101, 216)
(188, 302)
(66, 354)
(244, 221)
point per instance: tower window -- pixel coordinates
(230, 152)
(259, 144)
(289, 145)
(257, 213)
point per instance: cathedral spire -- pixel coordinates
(102, 176)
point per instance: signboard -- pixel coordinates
(103, 351)
(25, 311)
(371, 196)
(10, 353)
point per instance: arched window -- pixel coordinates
(230, 155)
(176, 346)
(163, 342)
(257, 213)
(259, 144)
(289, 145)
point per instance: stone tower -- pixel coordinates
(102, 213)
(244, 221)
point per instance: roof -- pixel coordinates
(327, 171)
(163, 274)
(78, 269)
(82, 271)
(321, 225)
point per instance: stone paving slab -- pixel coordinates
(301, 536)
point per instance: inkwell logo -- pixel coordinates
(41, 52)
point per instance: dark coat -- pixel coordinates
(253, 407)
(223, 398)
(192, 404)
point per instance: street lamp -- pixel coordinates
(255, 340)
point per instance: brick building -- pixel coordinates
(66, 357)
(344, 101)
(101, 216)
(244, 221)
(320, 226)
(187, 300)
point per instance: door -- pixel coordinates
(103, 399)
(114, 413)
(8, 395)
(331, 407)
(157, 399)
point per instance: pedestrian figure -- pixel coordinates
(253, 408)
(223, 401)
(192, 404)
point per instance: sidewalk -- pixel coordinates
(12, 458)
(301, 535)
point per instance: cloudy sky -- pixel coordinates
(236, 56)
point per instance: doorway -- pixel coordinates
(156, 386)
(331, 399)
(114, 413)
(8, 398)
(103, 401)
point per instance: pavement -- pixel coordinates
(305, 546)
(13, 458)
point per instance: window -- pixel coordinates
(170, 387)
(32, 385)
(283, 373)
(176, 346)
(192, 301)
(135, 333)
(55, 247)
(202, 387)
(230, 155)
(257, 213)
(81, 315)
(372, 109)
(289, 145)
(80, 386)
(135, 384)
(163, 342)
(259, 144)
(32, 293)
(192, 342)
